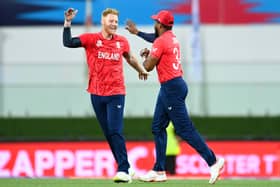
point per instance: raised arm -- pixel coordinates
(131, 27)
(149, 37)
(68, 41)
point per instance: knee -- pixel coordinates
(185, 130)
(156, 130)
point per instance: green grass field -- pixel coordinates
(135, 183)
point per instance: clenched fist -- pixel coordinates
(70, 13)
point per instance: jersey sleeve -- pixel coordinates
(149, 37)
(157, 48)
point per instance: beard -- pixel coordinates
(156, 33)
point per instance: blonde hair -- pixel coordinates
(110, 11)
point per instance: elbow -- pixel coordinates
(67, 44)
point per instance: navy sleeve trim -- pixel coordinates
(149, 37)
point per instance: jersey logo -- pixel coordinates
(175, 41)
(118, 45)
(155, 49)
(99, 43)
(169, 108)
(119, 106)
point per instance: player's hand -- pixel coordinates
(144, 53)
(131, 27)
(143, 75)
(69, 14)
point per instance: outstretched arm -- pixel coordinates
(149, 37)
(131, 27)
(68, 41)
(132, 61)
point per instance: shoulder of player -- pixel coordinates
(159, 41)
(165, 38)
(89, 35)
(120, 37)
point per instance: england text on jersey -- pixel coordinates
(109, 56)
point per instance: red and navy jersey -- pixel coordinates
(167, 49)
(104, 59)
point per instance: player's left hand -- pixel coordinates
(143, 75)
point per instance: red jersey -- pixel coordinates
(167, 49)
(104, 59)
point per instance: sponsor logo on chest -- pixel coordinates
(109, 55)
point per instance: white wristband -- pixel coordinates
(67, 23)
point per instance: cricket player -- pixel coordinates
(172, 146)
(165, 55)
(104, 53)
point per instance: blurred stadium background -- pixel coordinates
(231, 60)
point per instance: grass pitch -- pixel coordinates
(109, 183)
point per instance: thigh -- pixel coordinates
(180, 118)
(115, 108)
(100, 110)
(179, 113)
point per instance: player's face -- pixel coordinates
(110, 23)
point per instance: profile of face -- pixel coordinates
(110, 23)
(156, 29)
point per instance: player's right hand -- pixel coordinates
(144, 53)
(70, 13)
(131, 27)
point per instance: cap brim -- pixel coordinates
(154, 17)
